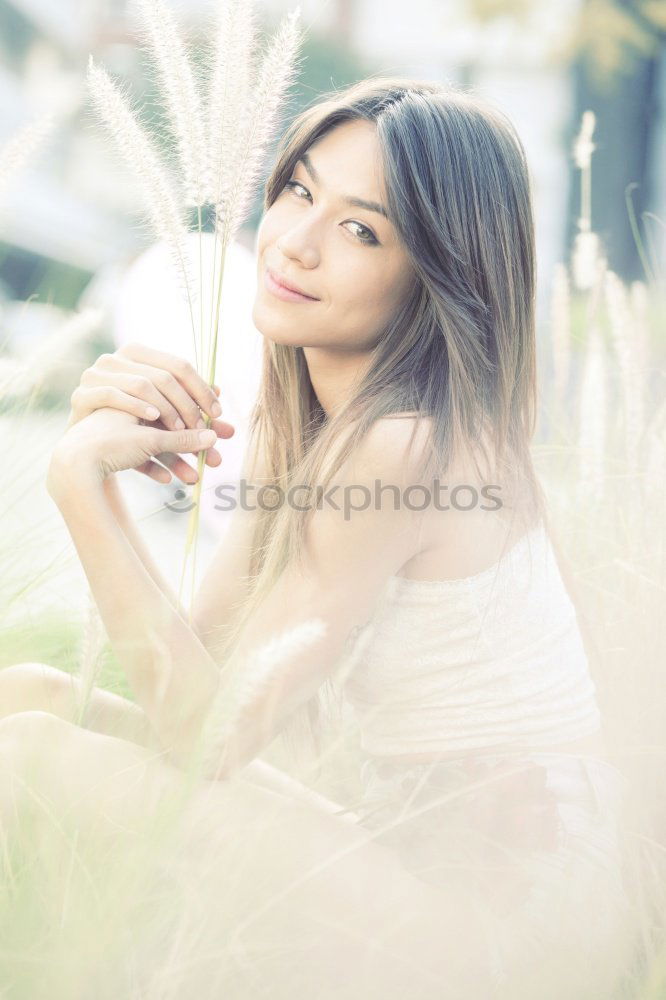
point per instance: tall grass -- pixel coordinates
(168, 905)
(602, 462)
(21, 147)
(221, 127)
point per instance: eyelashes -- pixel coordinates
(369, 241)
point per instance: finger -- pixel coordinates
(168, 386)
(180, 369)
(179, 466)
(222, 428)
(155, 471)
(86, 400)
(213, 458)
(181, 442)
(138, 385)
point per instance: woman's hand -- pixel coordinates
(108, 441)
(157, 388)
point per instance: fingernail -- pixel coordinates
(216, 409)
(152, 413)
(207, 437)
(178, 424)
(201, 423)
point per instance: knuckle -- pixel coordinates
(127, 350)
(182, 367)
(184, 441)
(139, 384)
(164, 381)
(104, 359)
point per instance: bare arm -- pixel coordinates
(225, 584)
(128, 526)
(131, 380)
(174, 677)
(296, 637)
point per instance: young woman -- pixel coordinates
(395, 293)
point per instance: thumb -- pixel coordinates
(184, 441)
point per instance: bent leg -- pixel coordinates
(274, 882)
(40, 687)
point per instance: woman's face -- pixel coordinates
(347, 257)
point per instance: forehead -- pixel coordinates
(348, 156)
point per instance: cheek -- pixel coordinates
(261, 239)
(267, 233)
(381, 293)
(273, 223)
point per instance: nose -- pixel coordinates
(298, 243)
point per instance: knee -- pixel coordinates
(31, 748)
(30, 727)
(33, 673)
(30, 739)
(34, 686)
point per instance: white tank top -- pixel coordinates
(494, 658)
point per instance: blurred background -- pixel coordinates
(72, 238)
(544, 63)
(79, 276)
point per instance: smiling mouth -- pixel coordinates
(282, 292)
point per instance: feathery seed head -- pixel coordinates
(276, 73)
(587, 258)
(583, 145)
(135, 147)
(160, 30)
(19, 148)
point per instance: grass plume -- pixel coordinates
(221, 127)
(242, 685)
(18, 150)
(181, 95)
(134, 143)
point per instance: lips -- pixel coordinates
(276, 276)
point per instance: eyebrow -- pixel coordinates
(371, 206)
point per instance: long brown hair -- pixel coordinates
(461, 348)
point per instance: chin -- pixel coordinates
(272, 331)
(273, 327)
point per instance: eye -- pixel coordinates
(295, 184)
(364, 239)
(369, 238)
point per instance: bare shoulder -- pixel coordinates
(403, 441)
(395, 445)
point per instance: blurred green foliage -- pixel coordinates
(30, 274)
(610, 34)
(55, 639)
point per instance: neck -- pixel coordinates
(334, 375)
